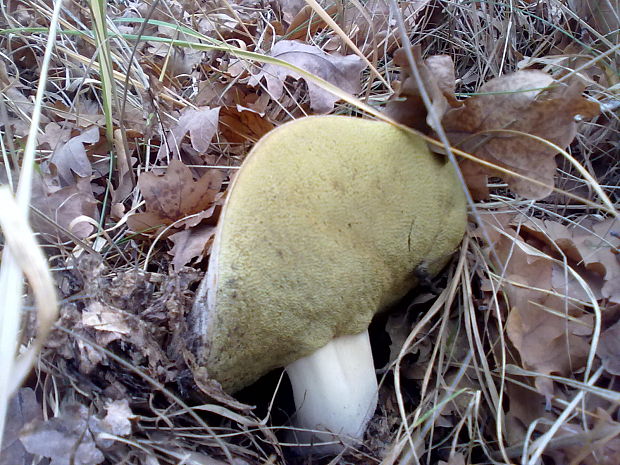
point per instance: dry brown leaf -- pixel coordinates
(241, 124)
(71, 156)
(548, 341)
(591, 247)
(76, 436)
(550, 332)
(108, 323)
(455, 459)
(526, 406)
(12, 89)
(604, 250)
(603, 16)
(54, 135)
(200, 123)
(373, 29)
(290, 8)
(179, 60)
(371, 36)
(63, 206)
(437, 73)
(83, 113)
(124, 175)
(218, 25)
(398, 328)
(609, 349)
(66, 439)
(190, 244)
(342, 71)
(307, 23)
(118, 417)
(602, 449)
(174, 196)
(23, 408)
(528, 101)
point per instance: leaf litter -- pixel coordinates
(342, 71)
(503, 123)
(176, 198)
(536, 283)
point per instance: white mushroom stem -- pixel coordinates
(335, 390)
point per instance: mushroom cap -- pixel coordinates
(325, 225)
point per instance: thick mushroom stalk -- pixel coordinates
(335, 390)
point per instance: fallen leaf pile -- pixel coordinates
(74, 436)
(552, 275)
(518, 121)
(176, 200)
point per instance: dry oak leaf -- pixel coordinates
(438, 78)
(191, 244)
(54, 135)
(342, 71)
(201, 125)
(528, 101)
(550, 332)
(63, 206)
(71, 156)
(591, 247)
(174, 196)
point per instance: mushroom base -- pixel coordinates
(335, 393)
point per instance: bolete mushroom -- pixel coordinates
(325, 225)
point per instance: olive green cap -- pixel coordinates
(325, 225)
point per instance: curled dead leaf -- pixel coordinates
(590, 247)
(63, 206)
(241, 124)
(201, 125)
(191, 244)
(529, 102)
(342, 71)
(71, 156)
(307, 22)
(437, 73)
(550, 331)
(174, 196)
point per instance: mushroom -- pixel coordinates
(325, 224)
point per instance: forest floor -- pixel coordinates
(122, 124)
